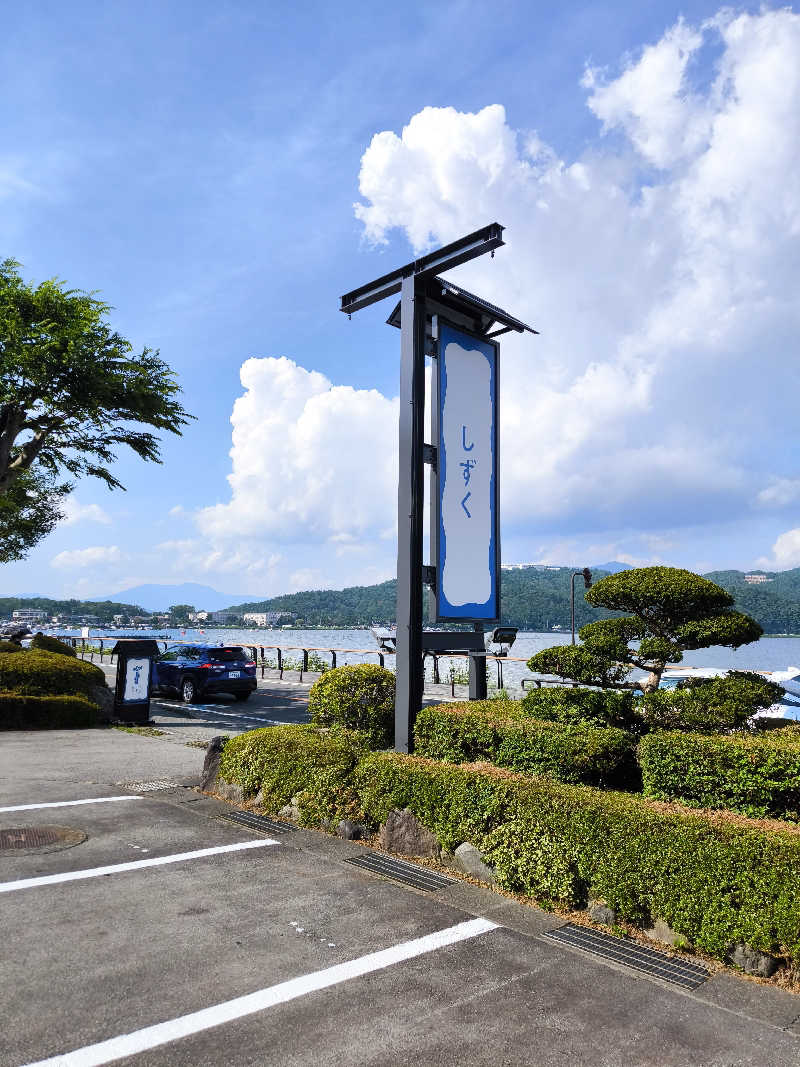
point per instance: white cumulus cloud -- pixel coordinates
(93, 556)
(666, 298)
(661, 266)
(785, 552)
(311, 461)
(73, 512)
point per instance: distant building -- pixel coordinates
(757, 579)
(28, 615)
(528, 566)
(263, 618)
(198, 616)
(225, 618)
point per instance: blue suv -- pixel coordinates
(195, 671)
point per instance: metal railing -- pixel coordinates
(96, 646)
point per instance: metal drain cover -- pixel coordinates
(258, 822)
(631, 954)
(24, 840)
(399, 871)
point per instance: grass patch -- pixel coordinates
(143, 731)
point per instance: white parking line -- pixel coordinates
(67, 803)
(133, 865)
(117, 1048)
(214, 709)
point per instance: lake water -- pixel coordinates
(359, 646)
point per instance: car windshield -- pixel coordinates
(226, 655)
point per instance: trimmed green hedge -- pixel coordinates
(755, 775)
(708, 705)
(21, 711)
(280, 761)
(714, 880)
(39, 672)
(602, 707)
(10, 646)
(359, 696)
(500, 733)
(52, 644)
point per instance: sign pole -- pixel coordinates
(461, 593)
(409, 665)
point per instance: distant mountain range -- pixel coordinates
(204, 598)
(162, 597)
(533, 597)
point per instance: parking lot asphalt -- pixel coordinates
(277, 701)
(170, 936)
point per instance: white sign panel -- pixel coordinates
(137, 680)
(467, 563)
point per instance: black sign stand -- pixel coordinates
(424, 295)
(133, 710)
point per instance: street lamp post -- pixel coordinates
(586, 574)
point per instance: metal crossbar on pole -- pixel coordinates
(465, 248)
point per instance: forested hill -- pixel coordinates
(104, 610)
(775, 604)
(533, 598)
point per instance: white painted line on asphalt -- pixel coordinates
(133, 865)
(67, 803)
(214, 710)
(117, 1048)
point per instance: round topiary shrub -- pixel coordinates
(52, 644)
(35, 671)
(709, 705)
(10, 646)
(359, 696)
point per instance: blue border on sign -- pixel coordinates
(488, 608)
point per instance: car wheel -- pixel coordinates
(241, 696)
(189, 693)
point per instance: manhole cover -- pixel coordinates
(26, 839)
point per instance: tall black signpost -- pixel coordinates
(431, 308)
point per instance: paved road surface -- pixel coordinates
(172, 937)
(275, 702)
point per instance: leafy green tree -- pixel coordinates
(669, 611)
(71, 391)
(180, 612)
(29, 509)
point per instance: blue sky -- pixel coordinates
(199, 163)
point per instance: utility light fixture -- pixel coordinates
(586, 574)
(504, 635)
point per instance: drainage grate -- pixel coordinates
(258, 822)
(408, 873)
(27, 839)
(631, 954)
